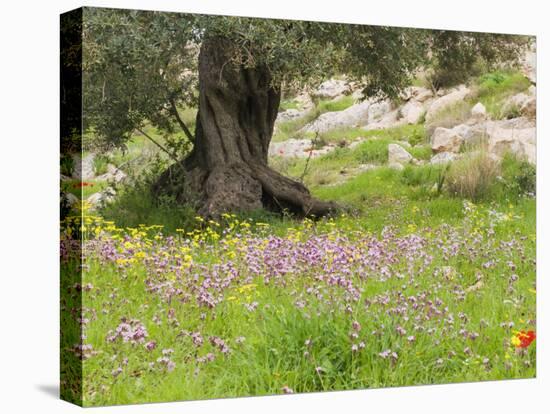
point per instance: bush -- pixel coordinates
(67, 165)
(518, 176)
(473, 176)
(100, 164)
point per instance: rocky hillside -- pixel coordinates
(495, 113)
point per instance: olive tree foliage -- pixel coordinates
(456, 56)
(141, 66)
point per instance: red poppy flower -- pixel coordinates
(83, 184)
(523, 339)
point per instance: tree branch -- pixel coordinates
(157, 144)
(180, 121)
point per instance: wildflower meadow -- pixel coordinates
(238, 307)
(257, 206)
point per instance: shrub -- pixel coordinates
(473, 176)
(423, 175)
(100, 164)
(518, 176)
(67, 165)
(137, 205)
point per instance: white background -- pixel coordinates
(29, 204)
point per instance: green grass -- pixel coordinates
(495, 87)
(272, 355)
(333, 167)
(335, 105)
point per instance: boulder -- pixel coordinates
(298, 148)
(396, 166)
(377, 110)
(365, 167)
(446, 140)
(304, 101)
(417, 93)
(398, 154)
(101, 198)
(355, 115)
(290, 115)
(529, 65)
(290, 148)
(70, 198)
(516, 136)
(389, 120)
(446, 101)
(332, 89)
(112, 174)
(83, 167)
(479, 112)
(515, 101)
(473, 133)
(444, 158)
(529, 107)
(412, 112)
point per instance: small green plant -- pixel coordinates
(67, 165)
(518, 176)
(100, 164)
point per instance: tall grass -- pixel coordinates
(473, 176)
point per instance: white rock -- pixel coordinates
(529, 65)
(529, 107)
(304, 101)
(366, 167)
(390, 120)
(290, 115)
(355, 115)
(412, 112)
(446, 140)
(83, 167)
(416, 93)
(70, 198)
(479, 112)
(517, 136)
(331, 89)
(377, 110)
(396, 166)
(443, 158)
(290, 148)
(101, 198)
(446, 101)
(398, 154)
(516, 101)
(112, 174)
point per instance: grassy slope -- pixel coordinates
(272, 355)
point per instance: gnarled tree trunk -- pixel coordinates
(227, 169)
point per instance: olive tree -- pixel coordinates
(141, 66)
